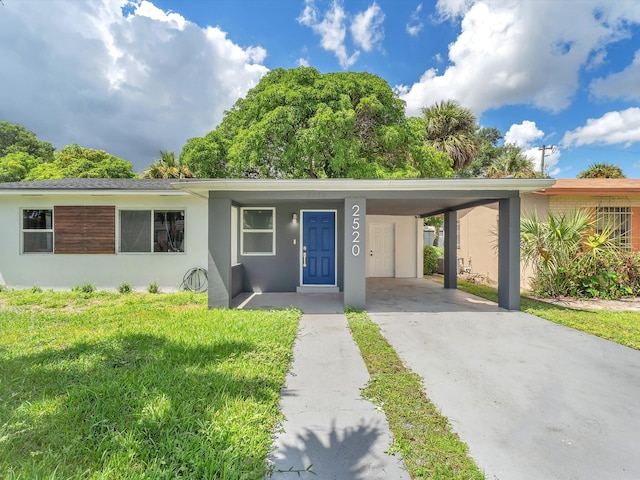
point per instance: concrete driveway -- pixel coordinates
(532, 399)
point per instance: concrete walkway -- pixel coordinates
(329, 427)
(532, 399)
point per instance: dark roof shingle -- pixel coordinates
(136, 184)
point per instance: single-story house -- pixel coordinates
(250, 235)
(614, 202)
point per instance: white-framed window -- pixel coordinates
(258, 232)
(37, 230)
(151, 231)
(618, 219)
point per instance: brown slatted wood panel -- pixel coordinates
(635, 229)
(85, 229)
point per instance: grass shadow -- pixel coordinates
(140, 400)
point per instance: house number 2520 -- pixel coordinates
(355, 230)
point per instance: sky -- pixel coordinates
(137, 77)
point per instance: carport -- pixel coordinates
(343, 204)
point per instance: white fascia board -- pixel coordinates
(328, 185)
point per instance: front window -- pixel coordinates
(618, 220)
(258, 231)
(168, 231)
(151, 231)
(37, 231)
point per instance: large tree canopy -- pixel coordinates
(15, 138)
(74, 161)
(20, 151)
(24, 157)
(300, 123)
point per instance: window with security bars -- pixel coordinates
(618, 219)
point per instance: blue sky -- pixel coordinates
(137, 77)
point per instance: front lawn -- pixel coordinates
(110, 386)
(622, 327)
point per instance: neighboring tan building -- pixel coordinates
(613, 202)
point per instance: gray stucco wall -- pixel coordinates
(281, 272)
(219, 253)
(355, 224)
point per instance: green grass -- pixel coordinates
(421, 434)
(109, 386)
(622, 327)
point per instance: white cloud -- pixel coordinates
(610, 129)
(303, 62)
(511, 52)
(624, 84)
(451, 9)
(523, 134)
(401, 89)
(130, 83)
(366, 28)
(332, 30)
(415, 25)
(148, 9)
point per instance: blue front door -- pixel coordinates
(318, 248)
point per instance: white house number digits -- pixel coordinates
(355, 233)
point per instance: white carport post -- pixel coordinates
(450, 249)
(509, 253)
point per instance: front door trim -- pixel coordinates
(335, 240)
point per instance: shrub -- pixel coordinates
(154, 288)
(614, 274)
(124, 288)
(430, 259)
(86, 288)
(36, 289)
(571, 257)
(2, 288)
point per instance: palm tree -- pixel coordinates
(511, 163)
(167, 166)
(452, 129)
(554, 245)
(602, 170)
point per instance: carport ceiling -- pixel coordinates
(426, 207)
(384, 197)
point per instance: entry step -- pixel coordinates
(317, 289)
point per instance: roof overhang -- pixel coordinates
(594, 187)
(417, 197)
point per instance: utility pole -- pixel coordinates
(543, 148)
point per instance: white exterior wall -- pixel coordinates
(408, 244)
(105, 271)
